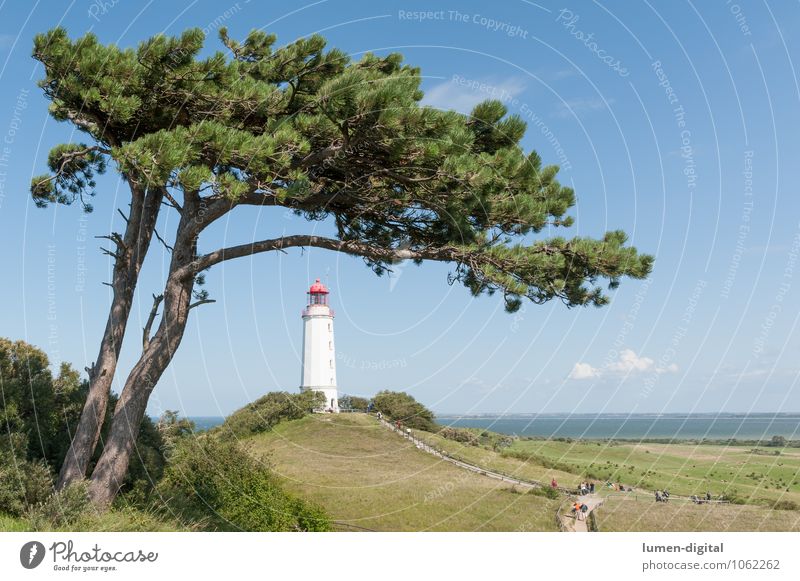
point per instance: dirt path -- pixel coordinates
(465, 465)
(577, 525)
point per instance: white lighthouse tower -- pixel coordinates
(319, 357)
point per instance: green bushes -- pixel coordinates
(215, 480)
(267, 411)
(60, 509)
(23, 482)
(785, 505)
(546, 492)
(460, 435)
(40, 412)
(397, 405)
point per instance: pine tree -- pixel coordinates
(310, 130)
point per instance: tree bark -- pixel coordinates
(145, 205)
(109, 473)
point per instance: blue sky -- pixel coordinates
(675, 121)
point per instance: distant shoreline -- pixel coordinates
(755, 428)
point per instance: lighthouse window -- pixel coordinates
(331, 363)
(330, 345)
(329, 326)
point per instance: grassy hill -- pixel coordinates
(366, 476)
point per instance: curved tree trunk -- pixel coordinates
(111, 468)
(130, 253)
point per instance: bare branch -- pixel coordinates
(201, 302)
(116, 239)
(167, 246)
(153, 313)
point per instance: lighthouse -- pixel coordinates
(319, 357)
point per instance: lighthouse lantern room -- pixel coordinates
(319, 357)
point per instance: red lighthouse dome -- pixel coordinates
(318, 289)
(318, 294)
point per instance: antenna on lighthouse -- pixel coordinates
(319, 355)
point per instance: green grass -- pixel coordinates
(497, 461)
(115, 520)
(621, 513)
(364, 475)
(10, 524)
(684, 469)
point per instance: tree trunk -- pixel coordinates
(130, 256)
(110, 471)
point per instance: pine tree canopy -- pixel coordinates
(330, 138)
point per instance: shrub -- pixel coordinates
(459, 435)
(546, 492)
(22, 482)
(785, 505)
(62, 508)
(40, 412)
(216, 480)
(267, 411)
(353, 402)
(397, 405)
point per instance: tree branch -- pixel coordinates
(153, 313)
(201, 302)
(172, 201)
(167, 246)
(347, 246)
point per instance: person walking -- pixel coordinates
(553, 483)
(591, 487)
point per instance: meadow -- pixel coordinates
(742, 473)
(365, 476)
(627, 513)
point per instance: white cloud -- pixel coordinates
(629, 363)
(461, 94)
(583, 371)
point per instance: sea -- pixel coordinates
(637, 426)
(761, 426)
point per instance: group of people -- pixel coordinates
(586, 488)
(618, 486)
(579, 510)
(663, 496)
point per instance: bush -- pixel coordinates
(217, 481)
(61, 509)
(353, 402)
(22, 482)
(785, 505)
(40, 411)
(397, 405)
(460, 435)
(267, 411)
(546, 492)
